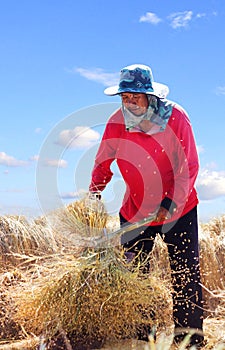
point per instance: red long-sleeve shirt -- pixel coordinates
(158, 169)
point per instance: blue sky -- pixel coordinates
(56, 59)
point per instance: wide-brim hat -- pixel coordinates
(138, 78)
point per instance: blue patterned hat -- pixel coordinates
(137, 78)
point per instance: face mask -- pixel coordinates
(131, 120)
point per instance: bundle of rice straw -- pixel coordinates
(62, 230)
(89, 216)
(212, 261)
(78, 224)
(86, 298)
(20, 239)
(91, 299)
(15, 238)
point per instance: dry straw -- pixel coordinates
(91, 299)
(212, 261)
(56, 287)
(20, 240)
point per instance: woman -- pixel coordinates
(152, 141)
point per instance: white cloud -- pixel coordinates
(98, 75)
(69, 195)
(37, 130)
(13, 190)
(180, 19)
(211, 184)
(200, 149)
(200, 15)
(10, 161)
(56, 163)
(220, 90)
(73, 195)
(150, 17)
(34, 158)
(79, 137)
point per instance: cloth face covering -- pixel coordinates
(158, 112)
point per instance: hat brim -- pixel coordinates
(160, 90)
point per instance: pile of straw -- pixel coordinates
(91, 299)
(212, 262)
(20, 239)
(57, 289)
(71, 292)
(78, 224)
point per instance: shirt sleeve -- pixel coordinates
(184, 161)
(102, 174)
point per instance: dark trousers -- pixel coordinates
(183, 249)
